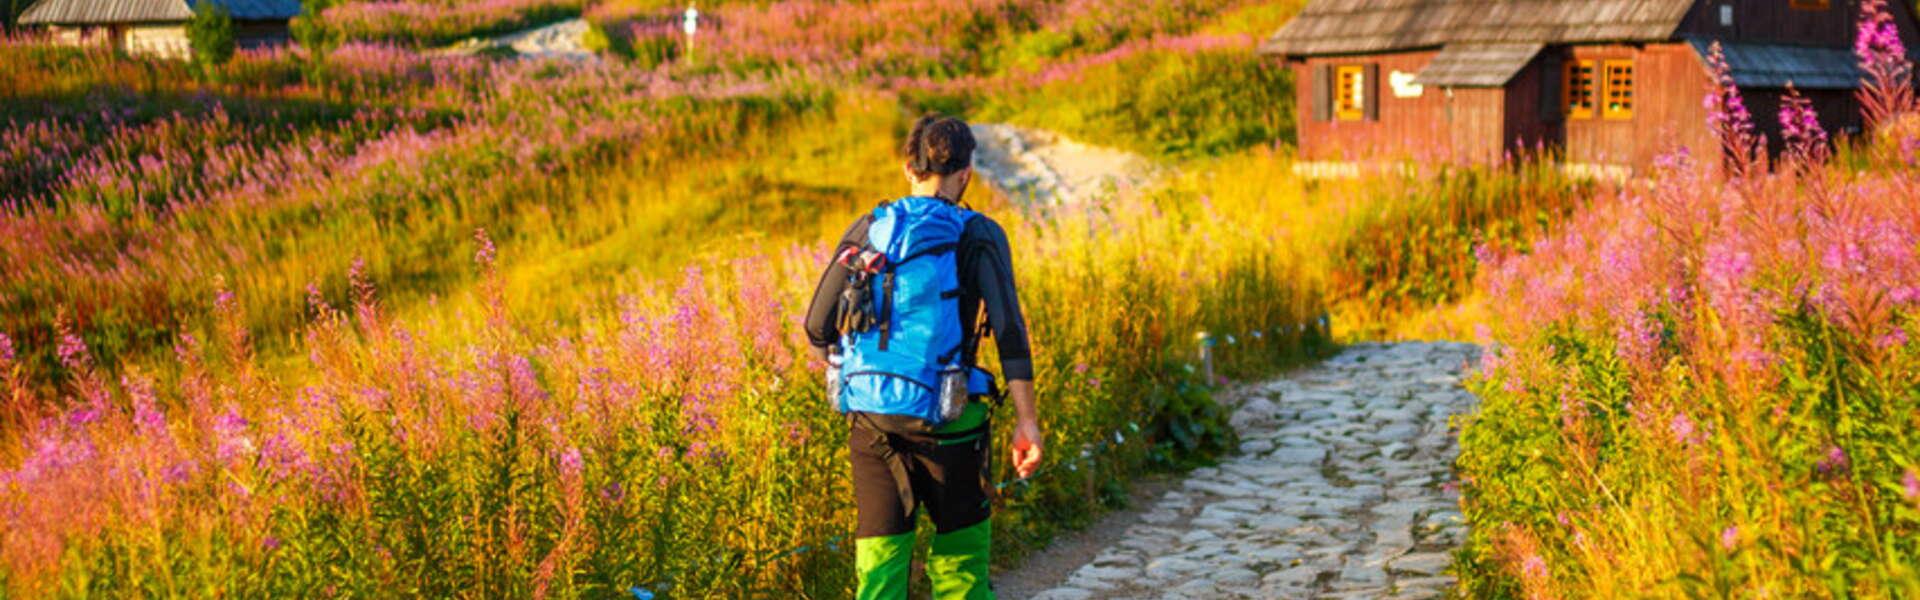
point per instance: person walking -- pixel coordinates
(899, 314)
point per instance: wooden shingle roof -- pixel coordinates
(1363, 26)
(1478, 64)
(95, 12)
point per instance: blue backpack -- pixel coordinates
(894, 365)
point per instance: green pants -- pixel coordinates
(957, 564)
(899, 470)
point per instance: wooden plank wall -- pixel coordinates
(1669, 83)
(1411, 128)
(1774, 22)
(1533, 121)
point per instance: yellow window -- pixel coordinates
(1619, 88)
(1578, 100)
(1811, 4)
(1350, 93)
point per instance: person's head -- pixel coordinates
(939, 157)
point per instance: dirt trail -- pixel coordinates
(1342, 487)
(1044, 168)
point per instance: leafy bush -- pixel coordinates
(210, 34)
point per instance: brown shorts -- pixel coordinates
(899, 467)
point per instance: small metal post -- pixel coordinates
(1206, 355)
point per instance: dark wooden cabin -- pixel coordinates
(1610, 84)
(157, 27)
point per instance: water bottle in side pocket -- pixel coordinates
(953, 393)
(834, 379)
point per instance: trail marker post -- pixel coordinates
(1206, 354)
(690, 24)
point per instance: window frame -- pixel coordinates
(1570, 91)
(1354, 108)
(1810, 5)
(1607, 90)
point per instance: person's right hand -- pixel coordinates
(1028, 446)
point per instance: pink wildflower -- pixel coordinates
(1800, 128)
(486, 254)
(1728, 117)
(1682, 428)
(1912, 485)
(1834, 462)
(1730, 537)
(570, 463)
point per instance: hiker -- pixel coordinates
(899, 316)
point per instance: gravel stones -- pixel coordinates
(1336, 493)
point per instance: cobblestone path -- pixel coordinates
(1341, 490)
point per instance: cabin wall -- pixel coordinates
(261, 34)
(1774, 22)
(167, 41)
(1476, 120)
(1411, 121)
(1670, 82)
(1533, 121)
(81, 35)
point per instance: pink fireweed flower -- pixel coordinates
(1682, 428)
(72, 350)
(230, 435)
(1730, 537)
(1800, 128)
(1533, 568)
(1878, 40)
(1888, 90)
(570, 463)
(6, 354)
(1834, 462)
(1912, 485)
(486, 254)
(1728, 117)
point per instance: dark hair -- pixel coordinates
(938, 145)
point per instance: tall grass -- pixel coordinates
(479, 453)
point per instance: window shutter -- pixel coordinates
(1371, 80)
(1323, 93)
(1553, 74)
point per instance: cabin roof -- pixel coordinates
(93, 12)
(1776, 65)
(1365, 26)
(1478, 64)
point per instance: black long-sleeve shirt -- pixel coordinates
(986, 277)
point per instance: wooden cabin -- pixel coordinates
(1608, 84)
(156, 27)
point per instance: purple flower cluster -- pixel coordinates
(1800, 128)
(1728, 117)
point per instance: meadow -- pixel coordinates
(370, 318)
(367, 317)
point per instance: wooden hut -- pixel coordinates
(156, 27)
(1609, 84)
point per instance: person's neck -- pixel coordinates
(930, 191)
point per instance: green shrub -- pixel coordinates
(211, 35)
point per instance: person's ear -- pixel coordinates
(907, 170)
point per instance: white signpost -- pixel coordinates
(690, 24)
